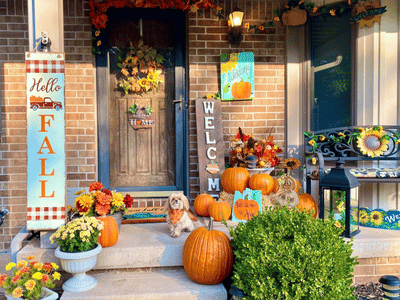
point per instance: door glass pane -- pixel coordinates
(146, 157)
(331, 71)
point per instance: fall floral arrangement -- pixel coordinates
(265, 149)
(28, 278)
(140, 68)
(79, 235)
(100, 201)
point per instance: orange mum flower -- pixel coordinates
(30, 284)
(45, 278)
(96, 186)
(102, 210)
(103, 198)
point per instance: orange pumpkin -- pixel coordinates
(241, 90)
(294, 17)
(235, 179)
(307, 202)
(245, 209)
(207, 255)
(263, 182)
(201, 204)
(109, 235)
(220, 210)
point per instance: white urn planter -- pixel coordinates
(78, 263)
(47, 295)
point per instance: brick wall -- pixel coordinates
(208, 38)
(79, 107)
(371, 269)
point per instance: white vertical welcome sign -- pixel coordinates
(45, 91)
(210, 145)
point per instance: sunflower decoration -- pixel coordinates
(141, 69)
(364, 217)
(373, 141)
(291, 163)
(376, 218)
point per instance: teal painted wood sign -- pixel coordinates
(379, 218)
(237, 76)
(246, 205)
(46, 190)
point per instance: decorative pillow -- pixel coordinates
(374, 172)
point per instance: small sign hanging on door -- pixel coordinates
(210, 145)
(45, 90)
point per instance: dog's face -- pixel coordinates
(177, 201)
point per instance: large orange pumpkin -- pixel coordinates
(245, 209)
(220, 210)
(109, 235)
(263, 182)
(235, 179)
(207, 255)
(241, 90)
(307, 202)
(201, 204)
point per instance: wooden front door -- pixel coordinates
(148, 159)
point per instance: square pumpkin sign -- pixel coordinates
(237, 76)
(246, 205)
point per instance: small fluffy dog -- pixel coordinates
(177, 208)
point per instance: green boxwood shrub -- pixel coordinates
(285, 254)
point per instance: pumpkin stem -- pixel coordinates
(210, 224)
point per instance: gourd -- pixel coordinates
(109, 235)
(235, 179)
(207, 255)
(263, 182)
(219, 210)
(245, 209)
(307, 203)
(276, 185)
(241, 90)
(286, 194)
(201, 204)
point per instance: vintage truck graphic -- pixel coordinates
(46, 102)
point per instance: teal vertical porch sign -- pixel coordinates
(45, 92)
(237, 76)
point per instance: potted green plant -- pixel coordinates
(78, 250)
(286, 254)
(30, 280)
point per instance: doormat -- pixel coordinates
(154, 214)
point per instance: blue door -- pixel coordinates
(150, 159)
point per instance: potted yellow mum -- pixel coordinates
(78, 250)
(30, 280)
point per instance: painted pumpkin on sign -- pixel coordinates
(245, 209)
(241, 90)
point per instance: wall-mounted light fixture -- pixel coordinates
(235, 31)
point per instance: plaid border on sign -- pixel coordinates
(45, 213)
(45, 66)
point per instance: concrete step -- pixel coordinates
(139, 246)
(148, 285)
